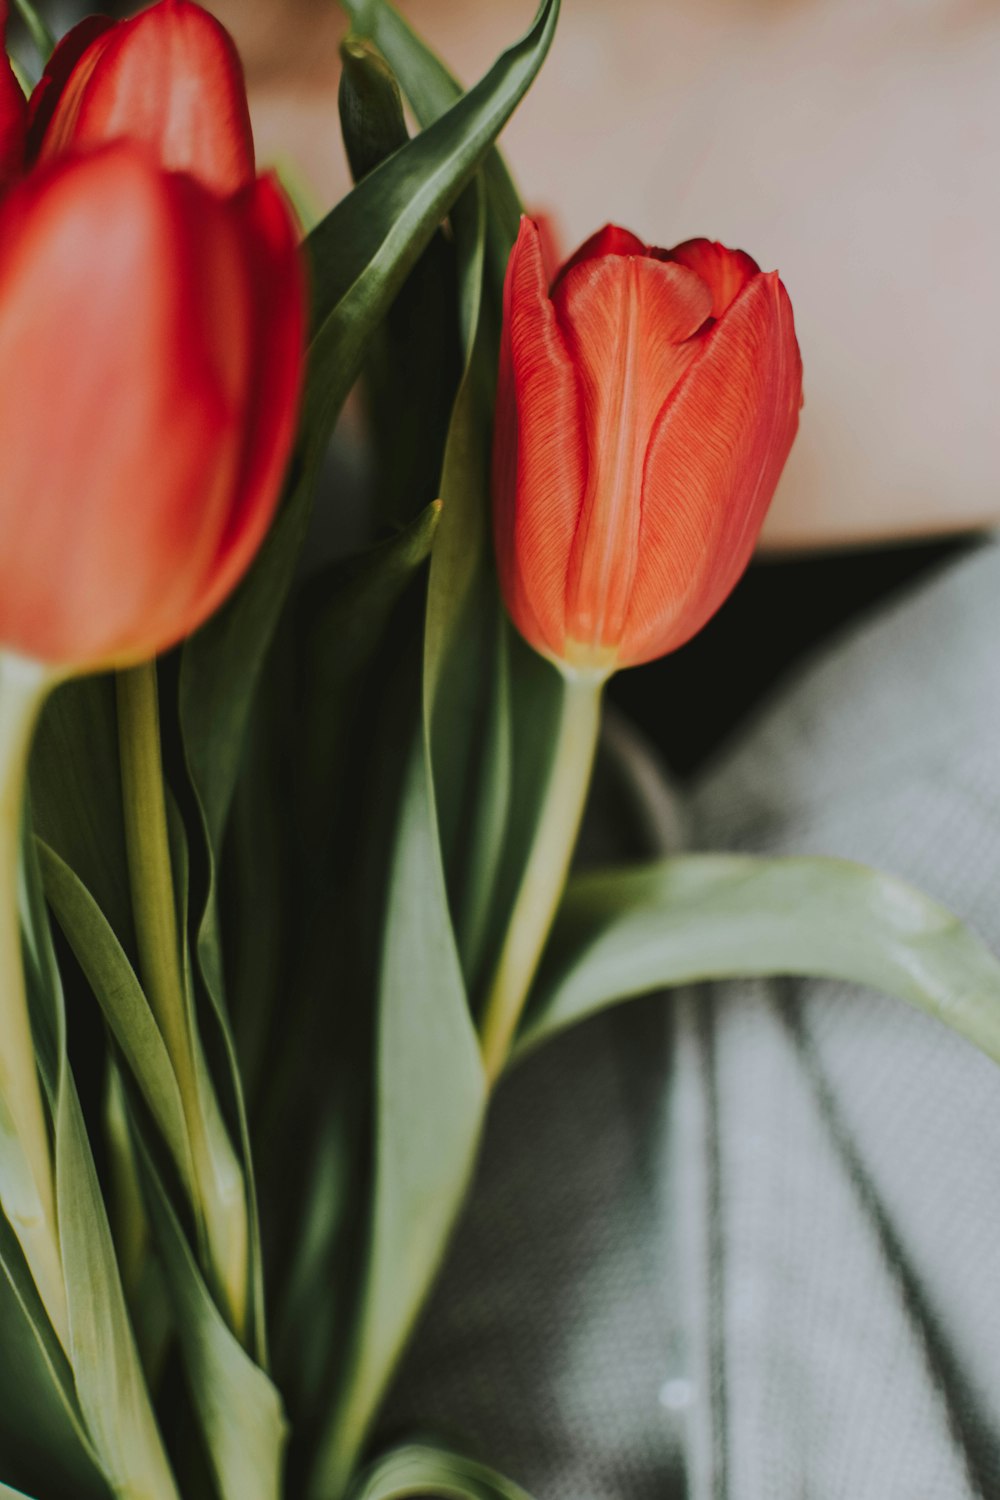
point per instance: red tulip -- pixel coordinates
(13, 111)
(170, 77)
(647, 404)
(150, 356)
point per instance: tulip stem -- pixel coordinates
(27, 1188)
(545, 871)
(150, 869)
(218, 1190)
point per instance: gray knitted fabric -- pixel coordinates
(742, 1244)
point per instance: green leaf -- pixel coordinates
(517, 706)
(125, 1007)
(717, 916)
(39, 32)
(42, 1432)
(365, 247)
(407, 396)
(344, 614)
(371, 108)
(425, 1469)
(76, 793)
(106, 1366)
(431, 91)
(236, 1407)
(430, 1101)
(110, 1388)
(467, 709)
(233, 1227)
(107, 1373)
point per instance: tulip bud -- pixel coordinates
(169, 77)
(150, 354)
(646, 406)
(13, 111)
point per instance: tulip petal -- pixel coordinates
(170, 77)
(714, 458)
(276, 315)
(627, 323)
(120, 450)
(611, 240)
(726, 272)
(13, 112)
(539, 451)
(67, 57)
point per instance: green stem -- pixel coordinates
(27, 1189)
(218, 1189)
(545, 871)
(150, 871)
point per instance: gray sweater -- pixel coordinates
(742, 1243)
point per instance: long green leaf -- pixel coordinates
(407, 396)
(430, 1101)
(431, 91)
(344, 613)
(110, 1385)
(107, 1373)
(119, 994)
(109, 1377)
(76, 794)
(237, 1409)
(466, 709)
(519, 699)
(38, 29)
(394, 211)
(42, 1431)
(424, 1469)
(716, 916)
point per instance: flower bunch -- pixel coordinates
(286, 844)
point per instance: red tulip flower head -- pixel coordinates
(646, 406)
(170, 77)
(151, 374)
(152, 320)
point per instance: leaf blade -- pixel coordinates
(716, 916)
(424, 1468)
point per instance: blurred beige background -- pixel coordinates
(854, 144)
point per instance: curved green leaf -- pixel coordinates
(717, 916)
(107, 1373)
(76, 793)
(425, 1469)
(42, 1430)
(237, 1409)
(123, 1003)
(109, 1378)
(430, 1100)
(345, 611)
(38, 29)
(371, 108)
(365, 247)
(431, 91)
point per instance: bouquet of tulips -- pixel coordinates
(287, 831)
